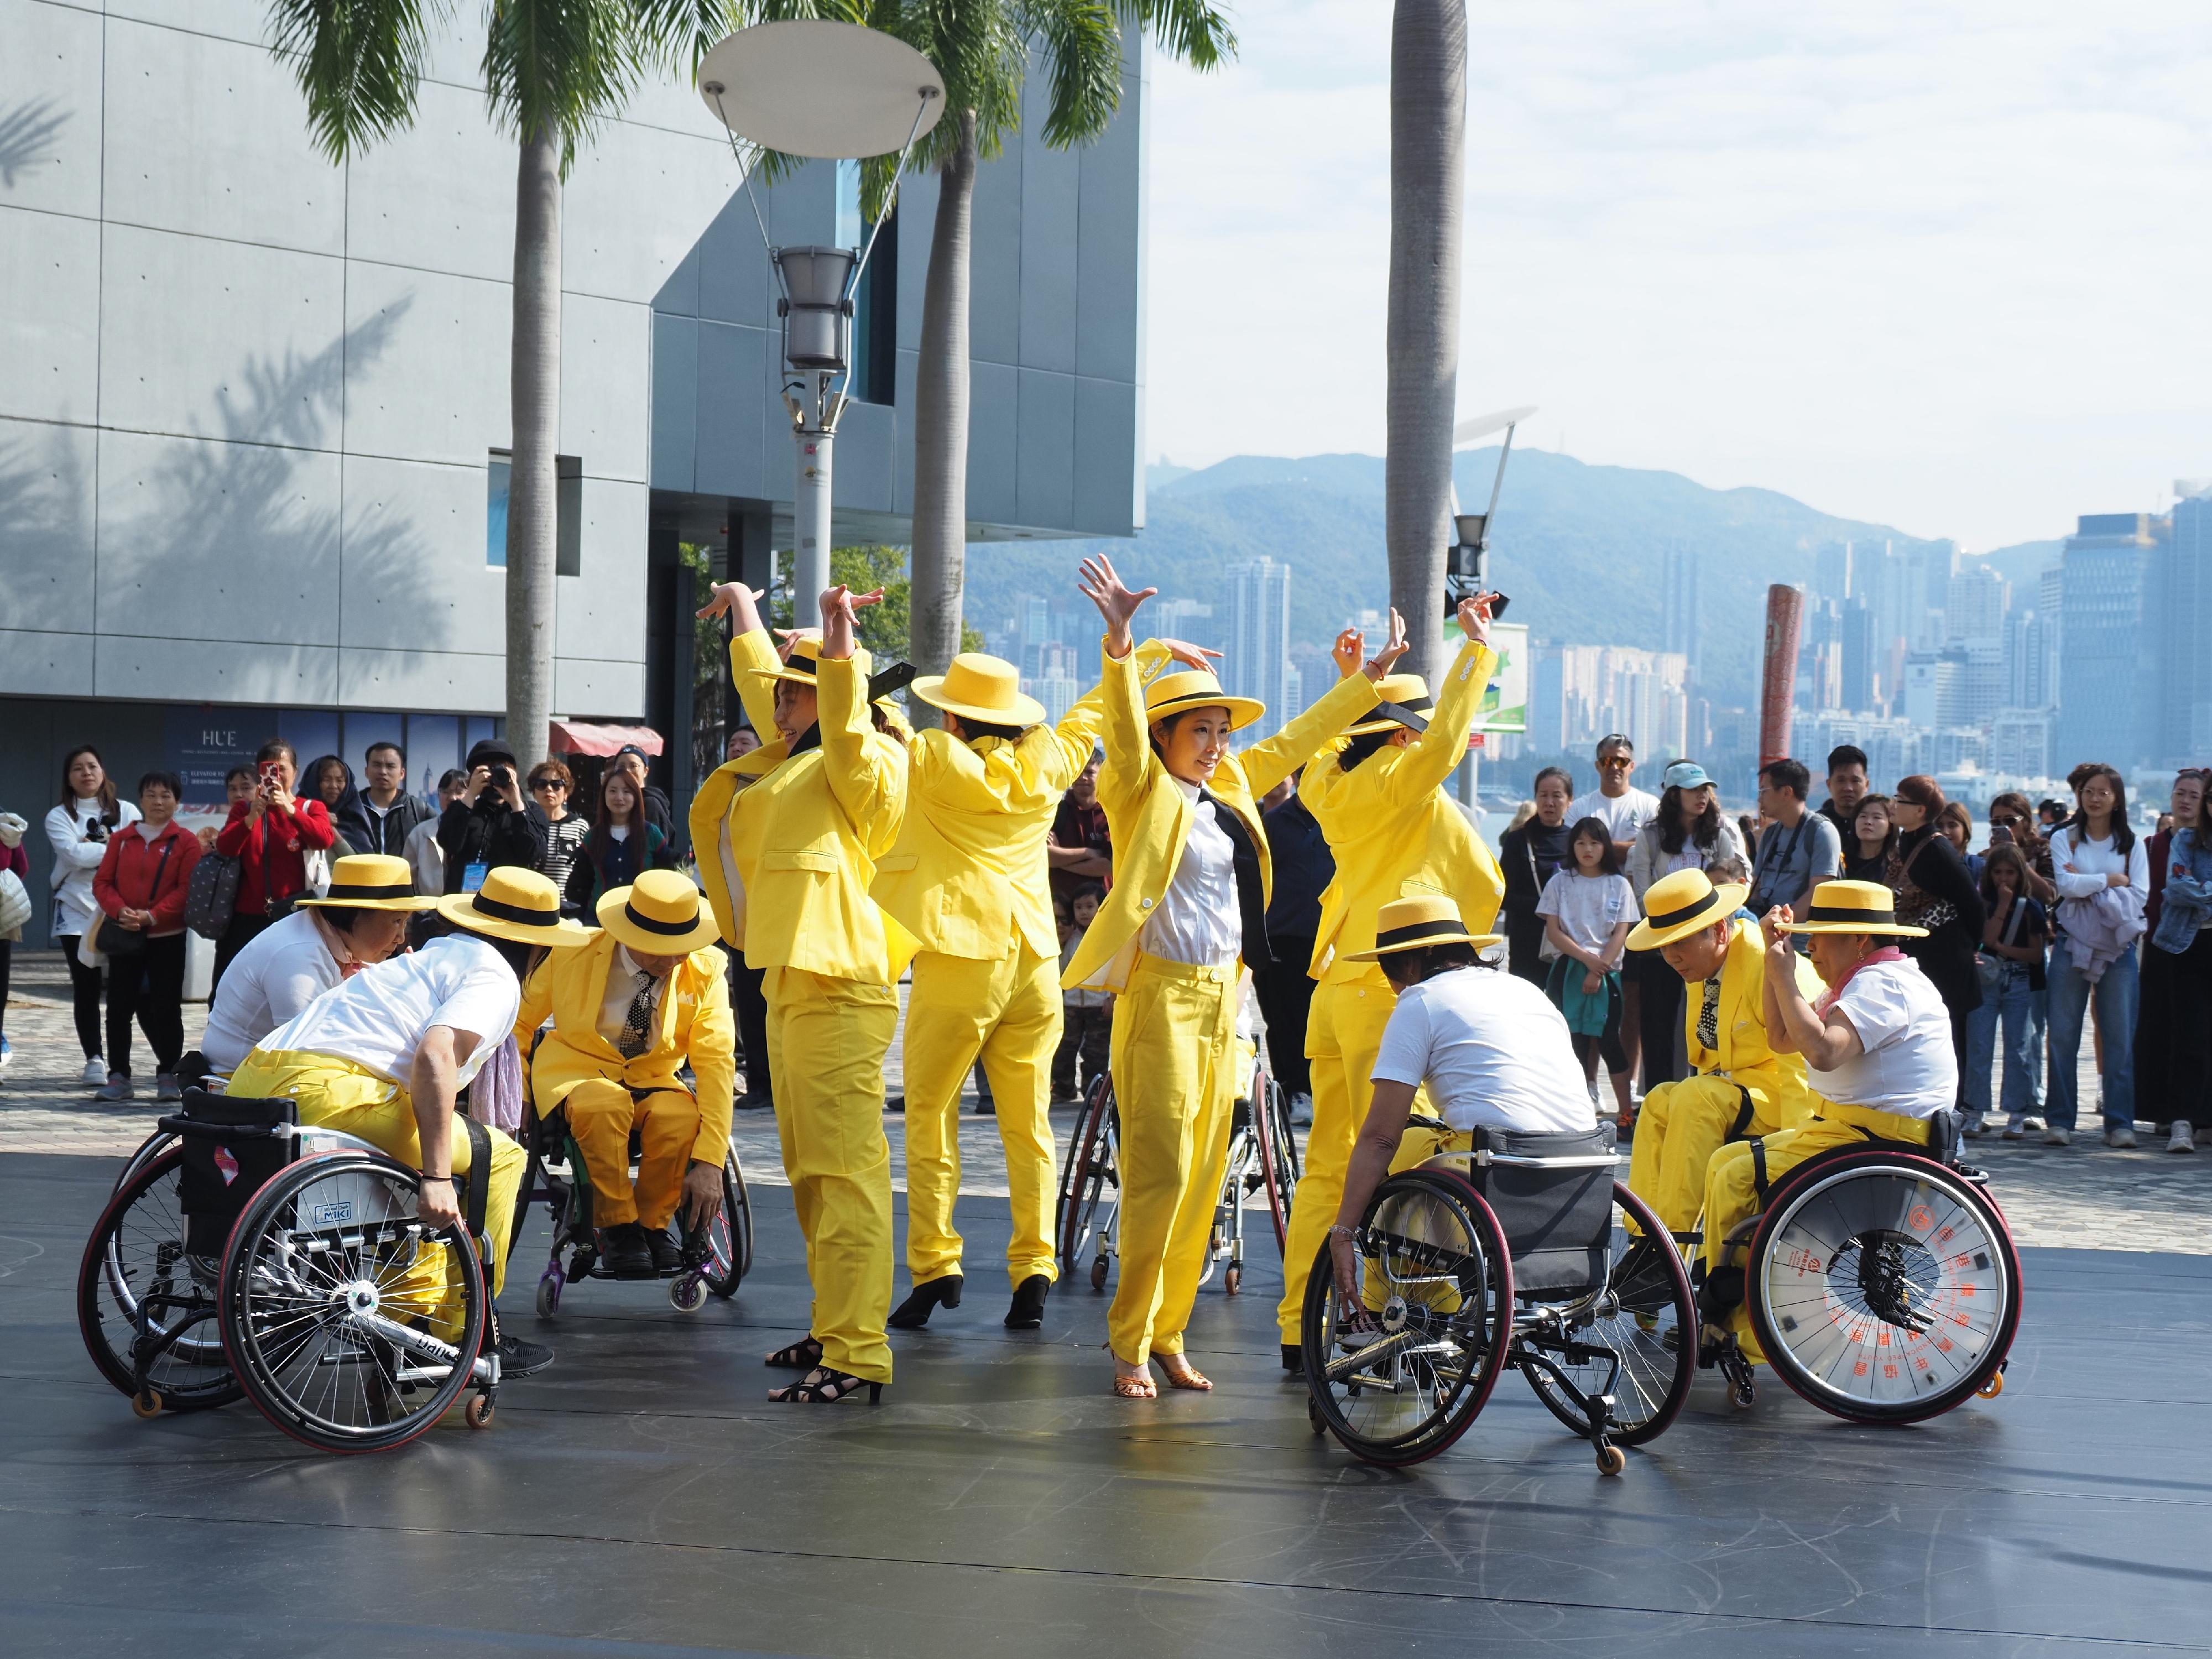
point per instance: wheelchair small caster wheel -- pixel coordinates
(478, 1413)
(1233, 1280)
(146, 1404)
(687, 1293)
(1993, 1387)
(549, 1297)
(1611, 1460)
(1098, 1274)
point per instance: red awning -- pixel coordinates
(582, 738)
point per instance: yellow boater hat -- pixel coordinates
(1401, 700)
(799, 667)
(980, 688)
(1853, 907)
(372, 881)
(1686, 903)
(1414, 924)
(658, 914)
(1196, 688)
(518, 905)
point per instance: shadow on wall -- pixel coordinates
(27, 137)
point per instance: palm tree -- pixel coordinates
(1428, 165)
(982, 48)
(553, 70)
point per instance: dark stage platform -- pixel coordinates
(642, 1498)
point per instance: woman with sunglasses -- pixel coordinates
(561, 834)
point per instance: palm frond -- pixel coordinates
(559, 67)
(1190, 30)
(1082, 46)
(358, 63)
(675, 34)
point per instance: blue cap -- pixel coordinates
(1684, 775)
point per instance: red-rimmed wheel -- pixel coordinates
(1088, 1185)
(1279, 1151)
(136, 1282)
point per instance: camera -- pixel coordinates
(502, 777)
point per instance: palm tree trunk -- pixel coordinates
(940, 423)
(533, 492)
(1428, 162)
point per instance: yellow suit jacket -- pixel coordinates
(711, 804)
(968, 875)
(805, 833)
(1744, 1055)
(1149, 818)
(1393, 832)
(570, 986)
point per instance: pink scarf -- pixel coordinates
(1887, 953)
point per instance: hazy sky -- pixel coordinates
(1944, 265)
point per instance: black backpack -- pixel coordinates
(212, 898)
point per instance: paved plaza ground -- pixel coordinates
(641, 1497)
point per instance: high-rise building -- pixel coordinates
(2049, 601)
(1256, 652)
(2107, 708)
(1974, 604)
(1678, 609)
(2027, 661)
(1580, 693)
(1833, 572)
(1859, 666)
(2183, 609)
(2020, 743)
(1931, 567)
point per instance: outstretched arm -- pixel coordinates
(1267, 762)
(1432, 756)
(868, 779)
(750, 649)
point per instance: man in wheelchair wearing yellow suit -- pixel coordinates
(646, 995)
(1743, 1087)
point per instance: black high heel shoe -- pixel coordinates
(1027, 1311)
(913, 1313)
(798, 1357)
(825, 1386)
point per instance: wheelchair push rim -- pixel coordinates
(326, 1325)
(1085, 1214)
(1883, 1287)
(135, 1268)
(1279, 1152)
(1408, 1383)
(730, 1234)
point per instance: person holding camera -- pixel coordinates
(271, 833)
(488, 826)
(77, 829)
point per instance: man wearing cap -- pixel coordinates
(1878, 1042)
(968, 877)
(793, 859)
(1379, 798)
(1742, 1085)
(643, 998)
(488, 826)
(362, 919)
(381, 1056)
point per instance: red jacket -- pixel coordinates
(271, 852)
(128, 870)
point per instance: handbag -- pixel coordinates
(14, 905)
(211, 896)
(110, 937)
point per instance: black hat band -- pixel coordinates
(1844, 913)
(1687, 912)
(354, 891)
(1444, 932)
(672, 929)
(519, 913)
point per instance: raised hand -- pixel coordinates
(1474, 616)
(737, 602)
(1102, 586)
(1351, 646)
(840, 633)
(1770, 926)
(1393, 648)
(1191, 656)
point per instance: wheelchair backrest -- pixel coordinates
(1558, 1221)
(232, 1144)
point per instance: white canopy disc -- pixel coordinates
(813, 88)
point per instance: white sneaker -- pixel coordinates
(95, 1071)
(1978, 1124)
(2057, 1137)
(1301, 1111)
(2017, 1131)
(2120, 1140)
(2033, 1123)
(2183, 1139)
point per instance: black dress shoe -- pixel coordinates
(667, 1254)
(1294, 1356)
(913, 1313)
(624, 1250)
(520, 1358)
(752, 1103)
(1027, 1311)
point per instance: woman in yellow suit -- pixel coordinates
(1379, 800)
(1191, 875)
(644, 997)
(803, 839)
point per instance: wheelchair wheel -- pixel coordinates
(332, 1298)
(1086, 1209)
(1279, 1153)
(730, 1238)
(1401, 1379)
(149, 1149)
(1637, 1341)
(137, 1282)
(1883, 1287)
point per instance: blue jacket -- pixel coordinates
(2188, 902)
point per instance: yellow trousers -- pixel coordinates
(1175, 1084)
(1680, 1128)
(1733, 1179)
(1007, 1012)
(335, 1094)
(1344, 1031)
(826, 1043)
(601, 1113)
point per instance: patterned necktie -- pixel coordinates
(638, 1022)
(1709, 1016)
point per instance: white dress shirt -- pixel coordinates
(622, 987)
(1197, 921)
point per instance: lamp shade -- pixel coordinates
(815, 328)
(1468, 528)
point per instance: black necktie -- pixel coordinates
(1709, 1016)
(638, 1022)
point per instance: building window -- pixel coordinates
(568, 510)
(874, 376)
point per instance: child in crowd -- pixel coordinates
(1088, 1034)
(1730, 868)
(1589, 906)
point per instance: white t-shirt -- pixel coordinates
(1197, 921)
(275, 977)
(377, 1018)
(1622, 815)
(1493, 1051)
(1589, 906)
(1908, 1067)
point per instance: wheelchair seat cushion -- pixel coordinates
(1558, 1223)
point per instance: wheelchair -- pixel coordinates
(1263, 1160)
(244, 1254)
(715, 1257)
(1523, 1254)
(1879, 1279)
